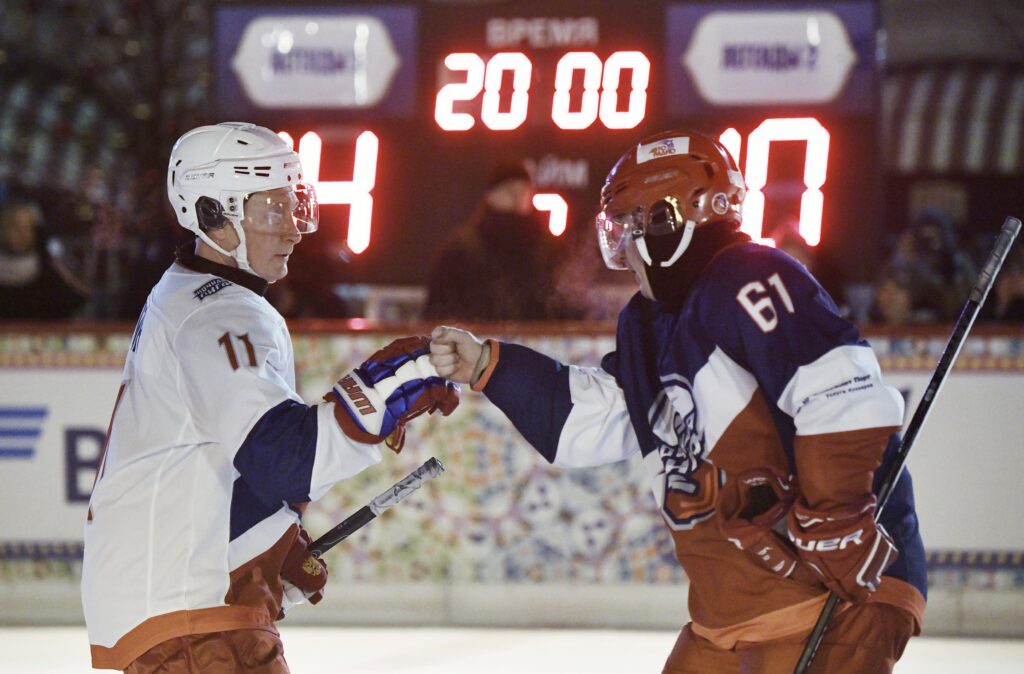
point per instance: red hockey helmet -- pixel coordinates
(670, 183)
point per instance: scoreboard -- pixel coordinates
(400, 110)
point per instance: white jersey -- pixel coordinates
(209, 446)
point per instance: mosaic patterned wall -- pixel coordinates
(500, 513)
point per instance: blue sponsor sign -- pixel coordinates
(20, 431)
(273, 60)
(721, 56)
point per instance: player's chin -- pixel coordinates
(276, 269)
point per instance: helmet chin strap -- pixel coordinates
(240, 253)
(684, 243)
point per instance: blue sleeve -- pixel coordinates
(766, 311)
(900, 519)
(533, 392)
(276, 458)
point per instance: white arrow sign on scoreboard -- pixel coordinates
(315, 61)
(743, 58)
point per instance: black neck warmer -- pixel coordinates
(671, 285)
(188, 259)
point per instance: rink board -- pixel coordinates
(502, 538)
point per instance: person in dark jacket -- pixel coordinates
(33, 284)
(503, 263)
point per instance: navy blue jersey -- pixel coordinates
(757, 369)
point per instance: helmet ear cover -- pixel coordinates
(210, 214)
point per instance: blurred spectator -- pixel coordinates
(940, 274)
(895, 297)
(788, 239)
(298, 299)
(1005, 303)
(33, 283)
(502, 264)
(308, 290)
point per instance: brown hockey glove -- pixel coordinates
(749, 507)
(375, 401)
(303, 571)
(844, 545)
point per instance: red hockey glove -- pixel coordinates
(305, 573)
(749, 507)
(394, 385)
(844, 545)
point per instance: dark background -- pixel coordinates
(93, 95)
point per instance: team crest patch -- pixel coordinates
(210, 288)
(688, 481)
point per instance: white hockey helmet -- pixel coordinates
(214, 169)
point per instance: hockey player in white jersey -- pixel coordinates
(193, 545)
(761, 416)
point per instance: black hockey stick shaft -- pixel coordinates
(360, 518)
(986, 278)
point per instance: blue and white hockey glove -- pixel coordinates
(395, 384)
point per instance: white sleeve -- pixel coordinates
(598, 429)
(233, 366)
(841, 391)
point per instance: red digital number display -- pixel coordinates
(602, 87)
(358, 192)
(400, 144)
(755, 171)
(557, 209)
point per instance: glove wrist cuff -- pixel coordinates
(485, 365)
(806, 517)
(345, 416)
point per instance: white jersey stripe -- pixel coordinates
(598, 430)
(722, 390)
(841, 391)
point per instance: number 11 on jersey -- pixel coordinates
(225, 341)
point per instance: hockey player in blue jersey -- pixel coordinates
(759, 412)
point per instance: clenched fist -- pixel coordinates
(460, 356)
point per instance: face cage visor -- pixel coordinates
(276, 211)
(615, 231)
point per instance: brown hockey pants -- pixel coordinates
(250, 651)
(865, 639)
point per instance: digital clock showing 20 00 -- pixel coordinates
(400, 111)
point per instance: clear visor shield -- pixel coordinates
(613, 235)
(274, 211)
(614, 232)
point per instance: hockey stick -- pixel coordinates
(987, 276)
(360, 518)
